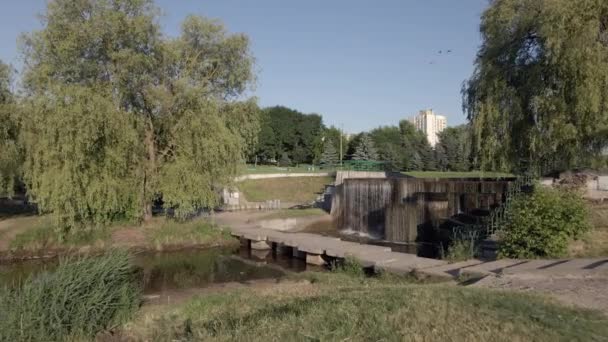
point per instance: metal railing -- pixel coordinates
(498, 216)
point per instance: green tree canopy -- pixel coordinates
(287, 130)
(537, 98)
(119, 115)
(417, 151)
(365, 149)
(334, 135)
(330, 155)
(389, 144)
(454, 148)
(10, 153)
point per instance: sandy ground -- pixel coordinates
(250, 219)
(589, 292)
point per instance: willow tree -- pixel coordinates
(120, 115)
(10, 156)
(539, 95)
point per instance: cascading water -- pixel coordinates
(395, 209)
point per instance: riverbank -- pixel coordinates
(217, 296)
(33, 237)
(348, 305)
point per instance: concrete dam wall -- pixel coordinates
(393, 209)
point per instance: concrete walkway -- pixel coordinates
(316, 249)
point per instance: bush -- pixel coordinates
(348, 266)
(79, 299)
(464, 244)
(542, 223)
(461, 250)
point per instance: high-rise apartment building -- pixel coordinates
(431, 124)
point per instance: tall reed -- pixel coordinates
(82, 297)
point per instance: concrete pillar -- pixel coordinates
(260, 254)
(260, 245)
(314, 259)
(244, 242)
(298, 254)
(281, 249)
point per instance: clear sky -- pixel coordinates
(359, 63)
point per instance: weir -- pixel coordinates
(396, 209)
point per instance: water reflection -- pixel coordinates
(181, 269)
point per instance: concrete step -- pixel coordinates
(489, 268)
(448, 271)
(528, 266)
(402, 263)
(574, 267)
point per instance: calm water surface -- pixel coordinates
(182, 269)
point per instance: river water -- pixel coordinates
(170, 271)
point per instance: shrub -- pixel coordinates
(348, 266)
(461, 250)
(541, 224)
(79, 299)
(464, 244)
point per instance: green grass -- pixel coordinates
(294, 213)
(450, 174)
(76, 301)
(43, 235)
(595, 242)
(288, 189)
(250, 169)
(346, 306)
(195, 232)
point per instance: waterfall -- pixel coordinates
(394, 209)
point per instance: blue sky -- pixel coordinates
(359, 63)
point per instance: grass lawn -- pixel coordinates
(158, 234)
(196, 232)
(450, 174)
(262, 169)
(40, 234)
(294, 213)
(287, 189)
(341, 307)
(595, 242)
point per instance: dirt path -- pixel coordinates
(584, 292)
(252, 218)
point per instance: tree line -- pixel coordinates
(109, 115)
(288, 137)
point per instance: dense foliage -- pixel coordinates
(10, 153)
(543, 223)
(285, 130)
(453, 149)
(118, 115)
(389, 144)
(537, 98)
(365, 149)
(406, 148)
(330, 155)
(76, 301)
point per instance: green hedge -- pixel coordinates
(542, 224)
(79, 299)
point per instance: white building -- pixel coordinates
(431, 124)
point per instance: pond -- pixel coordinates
(169, 271)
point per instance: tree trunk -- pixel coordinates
(150, 169)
